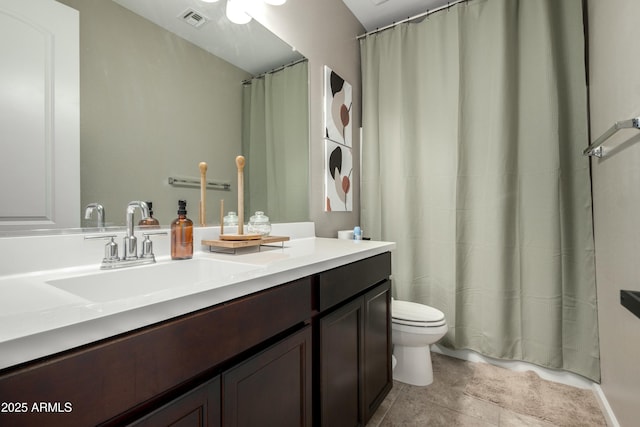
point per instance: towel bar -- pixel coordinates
(595, 148)
(195, 182)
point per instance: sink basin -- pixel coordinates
(105, 286)
(26, 299)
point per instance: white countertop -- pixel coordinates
(37, 319)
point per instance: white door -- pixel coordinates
(39, 115)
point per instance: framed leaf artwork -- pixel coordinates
(338, 177)
(337, 108)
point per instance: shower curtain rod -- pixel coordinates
(282, 67)
(411, 18)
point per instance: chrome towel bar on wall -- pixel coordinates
(195, 182)
(595, 149)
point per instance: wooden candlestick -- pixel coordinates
(240, 236)
(203, 193)
(221, 217)
(240, 165)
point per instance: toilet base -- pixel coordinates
(413, 365)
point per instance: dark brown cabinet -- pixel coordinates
(341, 355)
(355, 359)
(273, 388)
(378, 376)
(197, 408)
(354, 342)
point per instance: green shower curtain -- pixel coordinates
(275, 143)
(474, 121)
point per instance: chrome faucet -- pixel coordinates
(97, 207)
(130, 240)
(130, 253)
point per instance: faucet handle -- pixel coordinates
(147, 244)
(110, 249)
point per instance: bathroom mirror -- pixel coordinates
(154, 105)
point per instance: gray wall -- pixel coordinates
(615, 95)
(325, 32)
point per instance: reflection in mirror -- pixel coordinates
(274, 140)
(154, 105)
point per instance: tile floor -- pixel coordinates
(444, 402)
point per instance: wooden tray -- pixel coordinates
(235, 237)
(234, 244)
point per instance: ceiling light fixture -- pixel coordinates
(209, 1)
(236, 13)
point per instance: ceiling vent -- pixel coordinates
(378, 2)
(193, 18)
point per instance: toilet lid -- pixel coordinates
(415, 313)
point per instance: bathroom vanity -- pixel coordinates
(304, 338)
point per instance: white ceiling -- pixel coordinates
(379, 13)
(250, 47)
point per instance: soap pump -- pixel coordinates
(150, 221)
(182, 234)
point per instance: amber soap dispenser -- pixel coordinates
(149, 222)
(182, 234)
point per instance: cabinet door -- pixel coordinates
(273, 388)
(197, 408)
(341, 344)
(378, 375)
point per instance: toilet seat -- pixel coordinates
(416, 315)
(419, 324)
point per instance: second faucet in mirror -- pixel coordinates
(99, 209)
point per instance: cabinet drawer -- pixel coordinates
(342, 283)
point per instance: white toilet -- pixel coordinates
(414, 328)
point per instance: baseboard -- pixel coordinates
(609, 416)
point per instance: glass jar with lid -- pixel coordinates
(259, 224)
(231, 219)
